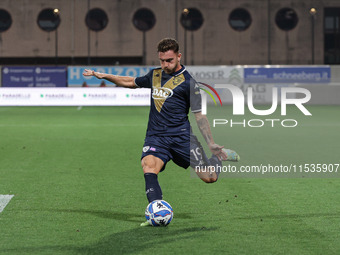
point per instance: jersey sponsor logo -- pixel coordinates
(146, 148)
(161, 93)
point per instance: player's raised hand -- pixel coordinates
(88, 72)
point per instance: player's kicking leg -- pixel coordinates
(215, 167)
(210, 173)
(206, 169)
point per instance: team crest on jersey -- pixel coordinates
(161, 93)
(177, 80)
(146, 148)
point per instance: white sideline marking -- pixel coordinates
(4, 200)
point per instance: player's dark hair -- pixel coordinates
(168, 44)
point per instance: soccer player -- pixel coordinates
(169, 135)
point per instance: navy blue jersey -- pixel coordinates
(170, 101)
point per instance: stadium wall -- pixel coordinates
(214, 43)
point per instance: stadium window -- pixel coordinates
(191, 19)
(49, 19)
(5, 20)
(332, 35)
(96, 19)
(144, 19)
(286, 19)
(239, 19)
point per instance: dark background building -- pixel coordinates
(210, 32)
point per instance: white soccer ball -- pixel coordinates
(159, 213)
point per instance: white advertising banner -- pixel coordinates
(74, 97)
(212, 75)
(217, 74)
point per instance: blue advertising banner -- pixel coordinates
(18, 77)
(34, 76)
(287, 75)
(76, 79)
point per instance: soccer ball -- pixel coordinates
(159, 213)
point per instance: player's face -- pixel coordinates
(170, 61)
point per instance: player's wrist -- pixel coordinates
(98, 75)
(211, 144)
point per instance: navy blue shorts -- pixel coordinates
(184, 150)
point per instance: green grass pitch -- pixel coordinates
(79, 189)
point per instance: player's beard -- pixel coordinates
(170, 71)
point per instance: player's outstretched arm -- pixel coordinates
(120, 81)
(204, 127)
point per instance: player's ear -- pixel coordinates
(179, 56)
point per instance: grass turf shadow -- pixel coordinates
(113, 215)
(130, 217)
(136, 240)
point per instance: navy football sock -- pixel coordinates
(152, 188)
(216, 163)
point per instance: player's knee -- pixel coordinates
(148, 165)
(209, 180)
